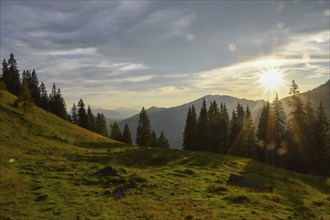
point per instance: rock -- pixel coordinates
(107, 171)
(241, 181)
(118, 192)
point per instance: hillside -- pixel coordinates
(172, 120)
(51, 169)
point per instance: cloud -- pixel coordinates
(136, 50)
(134, 67)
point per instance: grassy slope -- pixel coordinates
(48, 166)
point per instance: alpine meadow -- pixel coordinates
(167, 110)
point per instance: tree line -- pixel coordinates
(299, 141)
(30, 92)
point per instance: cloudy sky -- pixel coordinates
(165, 53)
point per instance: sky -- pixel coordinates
(166, 53)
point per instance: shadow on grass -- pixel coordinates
(96, 145)
(291, 186)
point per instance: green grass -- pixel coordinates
(48, 171)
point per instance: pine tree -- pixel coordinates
(74, 114)
(202, 128)
(56, 103)
(24, 98)
(115, 132)
(153, 139)
(82, 115)
(279, 124)
(224, 129)
(143, 131)
(5, 77)
(44, 100)
(100, 124)
(213, 127)
(35, 89)
(322, 142)
(90, 119)
(190, 130)
(298, 157)
(127, 137)
(162, 141)
(236, 126)
(12, 78)
(249, 142)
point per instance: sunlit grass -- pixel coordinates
(48, 172)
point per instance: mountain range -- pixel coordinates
(172, 120)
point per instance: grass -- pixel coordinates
(48, 171)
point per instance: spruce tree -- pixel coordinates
(202, 128)
(56, 103)
(298, 157)
(44, 100)
(322, 142)
(190, 130)
(162, 141)
(213, 128)
(143, 131)
(100, 124)
(90, 119)
(12, 80)
(236, 135)
(115, 132)
(82, 115)
(224, 129)
(127, 137)
(249, 142)
(153, 139)
(74, 114)
(279, 125)
(24, 98)
(5, 77)
(35, 89)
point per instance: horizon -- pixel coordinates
(124, 54)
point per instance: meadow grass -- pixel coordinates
(48, 171)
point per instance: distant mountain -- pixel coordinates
(172, 120)
(116, 114)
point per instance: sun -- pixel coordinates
(271, 78)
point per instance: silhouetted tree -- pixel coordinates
(24, 98)
(56, 103)
(127, 137)
(236, 126)
(202, 128)
(115, 132)
(213, 128)
(162, 141)
(153, 139)
(322, 142)
(248, 148)
(90, 119)
(74, 114)
(10, 75)
(190, 130)
(82, 115)
(44, 100)
(224, 129)
(101, 127)
(143, 131)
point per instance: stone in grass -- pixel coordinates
(107, 171)
(118, 192)
(243, 182)
(40, 198)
